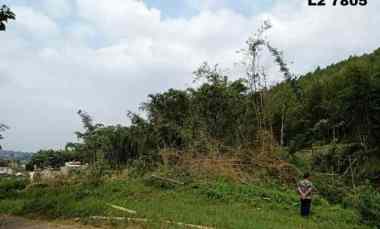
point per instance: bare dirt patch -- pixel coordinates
(10, 222)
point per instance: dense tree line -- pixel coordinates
(51, 159)
(336, 105)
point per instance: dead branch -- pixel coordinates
(143, 220)
(167, 180)
(123, 209)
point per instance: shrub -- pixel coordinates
(333, 189)
(62, 202)
(9, 187)
(46, 205)
(369, 206)
(96, 174)
(226, 191)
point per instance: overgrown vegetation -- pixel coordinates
(326, 121)
(10, 187)
(220, 204)
(338, 106)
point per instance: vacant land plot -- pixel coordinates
(216, 204)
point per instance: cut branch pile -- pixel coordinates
(144, 220)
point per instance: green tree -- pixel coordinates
(221, 107)
(169, 113)
(2, 128)
(5, 15)
(91, 143)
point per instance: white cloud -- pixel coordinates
(320, 35)
(115, 52)
(57, 9)
(35, 25)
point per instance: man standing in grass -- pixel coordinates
(305, 189)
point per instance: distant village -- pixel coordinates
(16, 168)
(11, 168)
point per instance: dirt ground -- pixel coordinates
(10, 222)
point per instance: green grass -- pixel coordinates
(220, 204)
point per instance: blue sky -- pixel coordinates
(171, 8)
(184, 8)
(168, 9)
(106, 56)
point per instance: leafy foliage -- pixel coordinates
(366, 199)
(9, 187)
(5, 15)
(369, 206)
(51, 158)
(337, 105)
(217, 204)
(2, 128)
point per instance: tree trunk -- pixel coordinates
(282, 141)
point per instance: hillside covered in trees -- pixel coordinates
(15, 155)
(326, 122)
(338, 105)
(226, 152)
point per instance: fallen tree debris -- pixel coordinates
(167, 180)
(133, 212)
(188, 225)
(143, 220)
(137, 220)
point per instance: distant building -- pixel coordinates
(20, 174)
(6, 171)
(72, 166)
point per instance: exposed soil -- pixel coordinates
(11, 222)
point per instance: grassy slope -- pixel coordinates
(221, 204)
